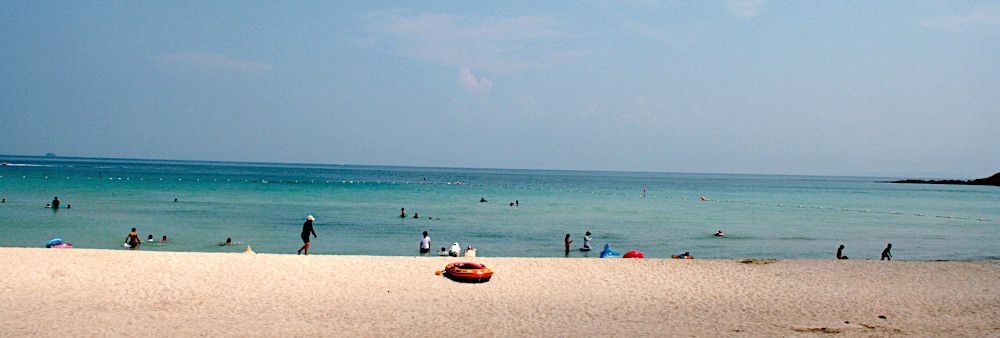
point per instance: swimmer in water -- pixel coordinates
(132, 240)
(164, 239)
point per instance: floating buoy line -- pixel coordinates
(552, 190)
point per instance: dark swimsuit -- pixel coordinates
(307, 228)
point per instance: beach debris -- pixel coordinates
(819, 329)
(759, 261)
(248, 250)
(881, 316)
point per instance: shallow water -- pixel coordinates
(357, 209)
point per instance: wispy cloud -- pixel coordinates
(195, 61)
(491, 44)
(747, 9)
(986, 17)
(469, 81)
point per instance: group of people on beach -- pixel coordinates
(586, 243)
(455, 251)
(132, 240)
(886, 255)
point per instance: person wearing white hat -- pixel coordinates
(455, 250)
(307, 228)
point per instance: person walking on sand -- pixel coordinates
(840, 252)
(885, 253)
(132, 240)
(307, 228)
(425, 244)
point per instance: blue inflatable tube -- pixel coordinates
(53, 242)
(606, 253)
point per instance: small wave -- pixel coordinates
(798, 238)
(26, 165)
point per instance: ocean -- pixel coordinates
(357, 210)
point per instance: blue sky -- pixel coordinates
(791, 87)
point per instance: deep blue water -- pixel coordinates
(357, 209)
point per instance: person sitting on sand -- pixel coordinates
(885, 253)
(132, 239)
(840, 252)
(455, 250)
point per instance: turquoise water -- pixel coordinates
(357, 210)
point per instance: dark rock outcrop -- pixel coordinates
(992, 180)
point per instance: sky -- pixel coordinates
(746, 87)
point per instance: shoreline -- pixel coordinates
(434, 255)
(102, 292)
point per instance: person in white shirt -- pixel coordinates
(586, 241)
(455, 251)
(425, 244)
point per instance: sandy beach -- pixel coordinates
(80, 292)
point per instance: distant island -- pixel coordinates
(992, 180)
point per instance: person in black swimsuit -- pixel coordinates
(132, 239)
(307, 229)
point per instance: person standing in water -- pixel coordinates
(307, 228)
(425, 244)
(132, 239)
(567, 244)
(402, 212)
(885, 253)
(55, 203)
(586, 241)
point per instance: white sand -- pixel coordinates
(77, 292)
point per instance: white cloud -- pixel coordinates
(491, 44)
(195, 61)
(988, 17)
(747, 9)
(469, 81)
